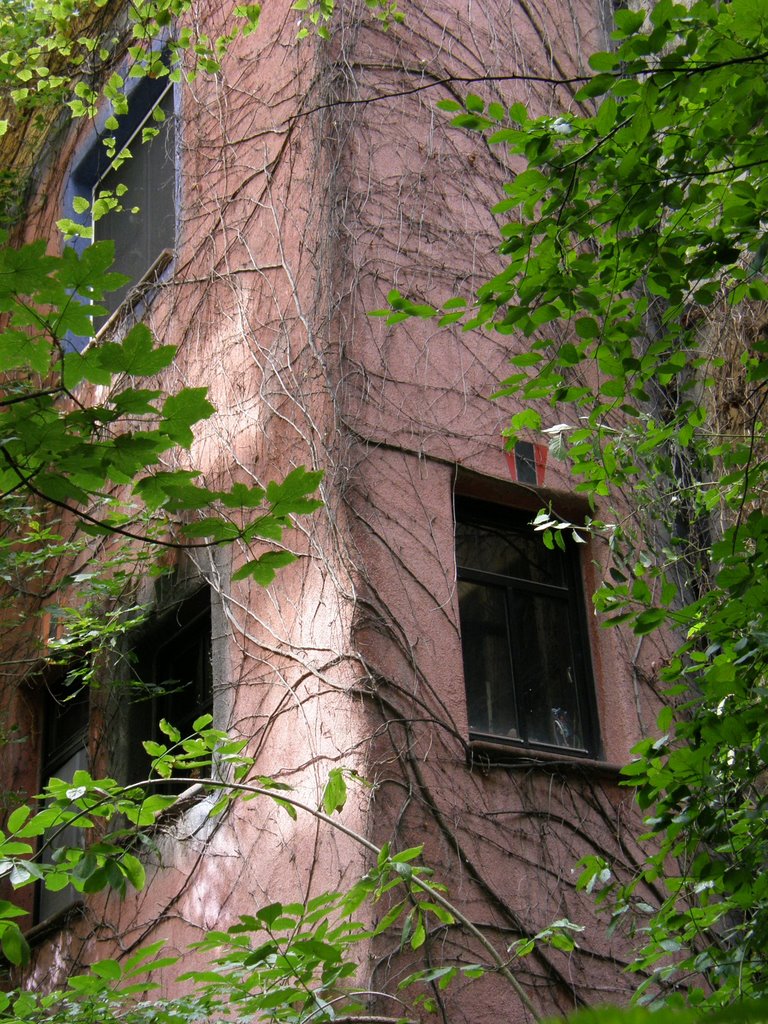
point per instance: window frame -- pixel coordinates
(473, 511)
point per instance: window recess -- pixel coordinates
(524, 640)
(172, 663)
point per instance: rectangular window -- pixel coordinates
(144, 183)
(146, 226)
(524, 642)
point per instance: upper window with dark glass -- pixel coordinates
(145, 184)
(141, 178)
(523, 631)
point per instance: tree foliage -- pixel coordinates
(281, 962)
(101, 460)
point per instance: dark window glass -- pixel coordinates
(65, 724)
(173, 662)
(526, 662)
(494, 548)
(149, 175)
(525, 462)
(65, 732)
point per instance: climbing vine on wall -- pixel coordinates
(633, 248)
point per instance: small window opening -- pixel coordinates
(172, 662)
(524, 641)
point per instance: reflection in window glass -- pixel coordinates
(495, 549)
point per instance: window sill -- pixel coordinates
(136, 295)
(188, 798)
(55, 923)
(485, 754)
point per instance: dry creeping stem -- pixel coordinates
(426, 888)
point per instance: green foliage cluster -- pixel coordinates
(281, 963)
(100, 460)
(57, 53)
(633, 238)
(76, 55)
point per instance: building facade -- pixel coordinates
(424, 637)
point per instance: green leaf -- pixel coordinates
(528, 419)
(389, 918)
(586, 327)
(182, 411)
(444, 916)
(419, 935)
(136, 355)
(169, 730)
(17, 818)
(9, 910)
(606, 116)
(134, 870)
(648, 621)
(213, 529)
(603, 61)
(14, 945)
(289, 497)
(335, 792)
(628, 21)
(270, 913)
(107, 969)
(263, 569)
(242, 496)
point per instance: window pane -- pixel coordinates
(487, 669)
(149, 175)
(505, 551)
(183, 669)
(174, 663)
(545, 672)
(66, 723)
